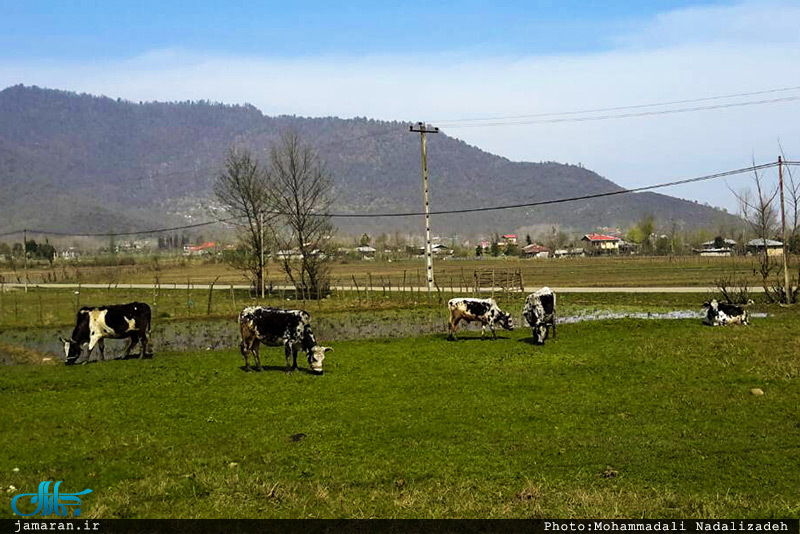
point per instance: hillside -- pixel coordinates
(80, 163)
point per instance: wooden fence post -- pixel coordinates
(357, 291)
(210, 293)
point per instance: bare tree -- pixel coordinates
(300, 192)
(758, 210)
(242, 189)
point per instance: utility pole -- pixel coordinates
(786, 287)
(261, 247)
(423, 129)
(25, 256)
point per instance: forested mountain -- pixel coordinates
(81, 163)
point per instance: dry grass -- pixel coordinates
(610, 271)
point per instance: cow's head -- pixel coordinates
(72, 350)
(505, 320)
(539, 333)
(712, 312)
(316, 356)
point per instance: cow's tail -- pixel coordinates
(147, 316)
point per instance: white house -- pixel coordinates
(756, 246)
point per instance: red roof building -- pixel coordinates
(592, 238)
(601, 243)
(201, 248)
(509, 239)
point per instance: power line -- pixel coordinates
(440, 212)
(569, 199)
(628, 115)
(620, 108)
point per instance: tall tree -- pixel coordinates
(242, 189)
(647, 226)
(301, 193)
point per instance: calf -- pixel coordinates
(540, 312)
(118, 321)
(484, 311)
(272, 325)
(722, 313)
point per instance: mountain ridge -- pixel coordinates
(78, 162)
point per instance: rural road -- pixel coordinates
(227, 287)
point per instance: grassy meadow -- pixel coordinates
(621, 418)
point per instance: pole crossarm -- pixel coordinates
(421, 127)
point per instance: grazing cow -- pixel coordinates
(540, 312)
(484, 311)
(271, 326)
(119, 321)
(722, 313)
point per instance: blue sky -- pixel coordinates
(476, 59)
(95, 29)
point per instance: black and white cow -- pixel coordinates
(484, 311)
(540, 312)
(118, 321)
(722, 313)
(272, 326)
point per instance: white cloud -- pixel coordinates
(683, 54)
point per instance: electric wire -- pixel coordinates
(621, 108)
(419, 213)
(626, 115)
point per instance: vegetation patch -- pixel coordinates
(623, 418)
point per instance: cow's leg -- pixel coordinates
(94, 339)
(491, 327)
(256, 355)
(290, 352)
(101, 346)
(246, 350)
(246, 347)
(453, 328)
(132, 341)
(144, 344)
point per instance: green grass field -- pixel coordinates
(626, 418)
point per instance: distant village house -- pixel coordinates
(535, 251)
(204, 248)
(717, 247)
(601, 244)
(757, 246)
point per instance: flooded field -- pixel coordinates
(216, 334)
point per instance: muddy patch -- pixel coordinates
(224, 334)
